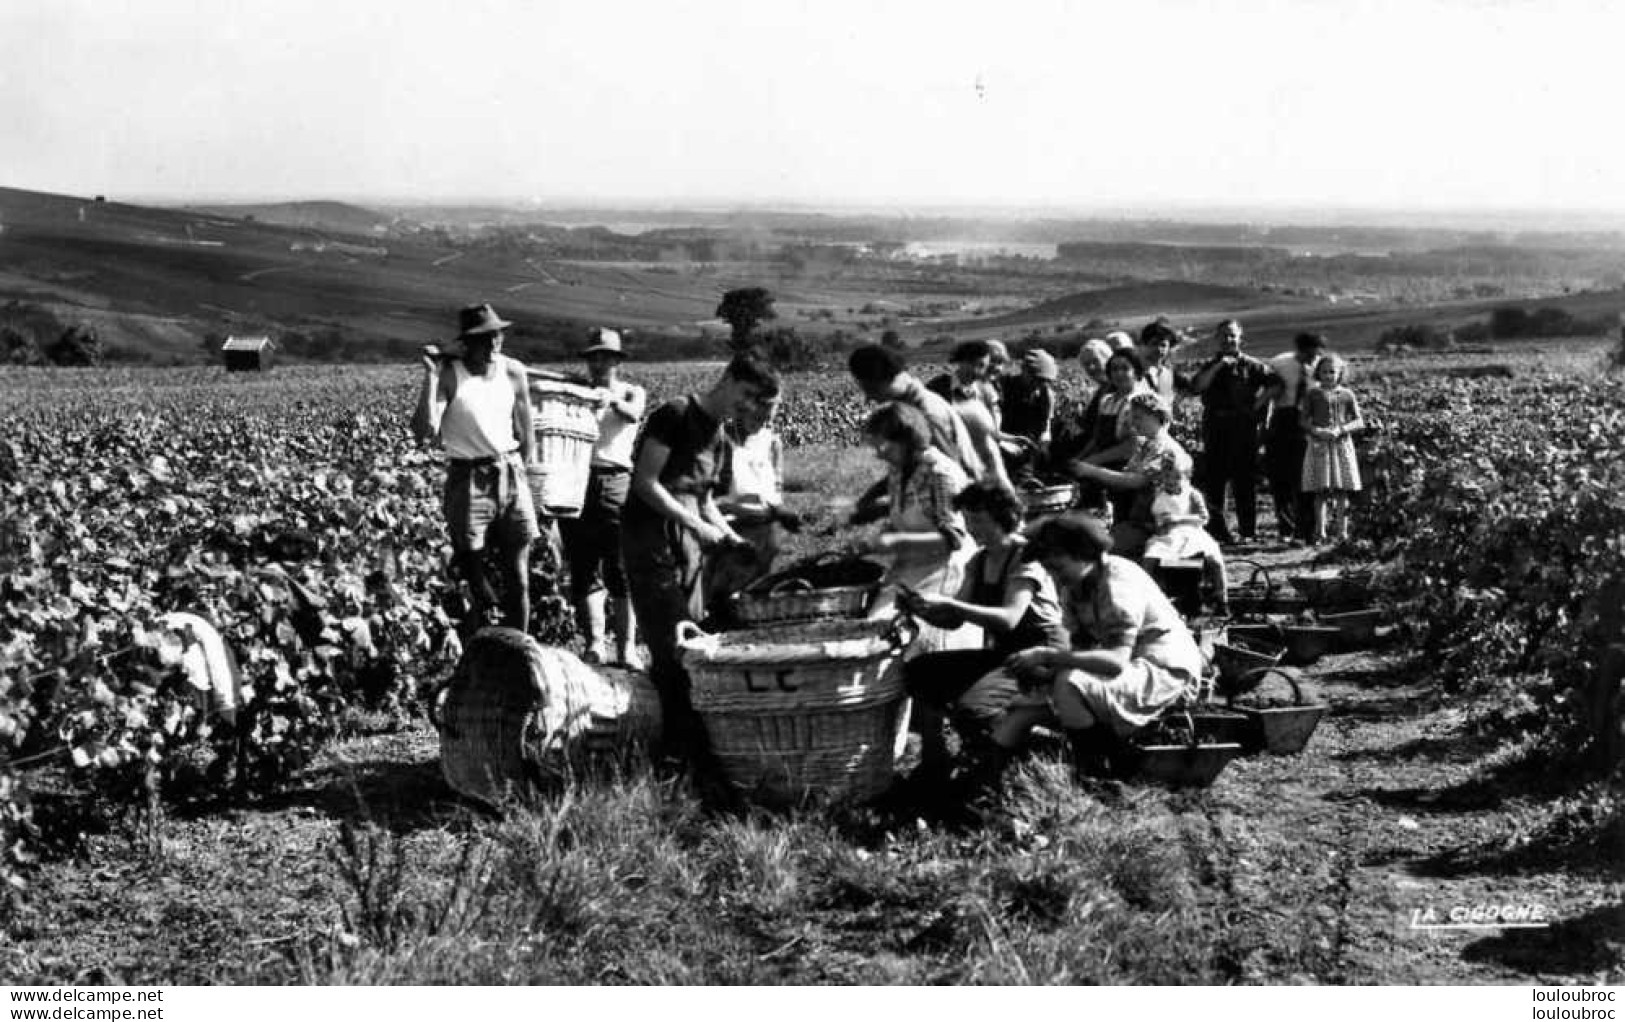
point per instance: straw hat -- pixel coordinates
(479, 320)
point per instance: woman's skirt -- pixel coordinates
(1127, 702)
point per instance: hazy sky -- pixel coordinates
(1020, 102)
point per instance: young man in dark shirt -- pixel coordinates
(671, 520)
(1234, 388)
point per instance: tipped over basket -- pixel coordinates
(515, 712)
(802, 711)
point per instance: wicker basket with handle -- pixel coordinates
(802, 711)
(565, 418)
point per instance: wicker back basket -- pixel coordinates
(516, 712)
(803, 711)
(565, 418)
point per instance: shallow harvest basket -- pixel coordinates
(1304, 644)
(1285, 730)
(1356, 629)
(1039, 501)
(1188, 764)
(1241, 663)
(800, 594)
(1261, 594)
(802, 711)
(1337, 591)
(565, 418)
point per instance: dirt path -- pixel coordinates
(1322, 864)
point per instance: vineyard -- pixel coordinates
(296, 514)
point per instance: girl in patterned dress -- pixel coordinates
(1331, 417)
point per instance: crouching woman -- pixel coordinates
(1014, 603)
(1131, 656)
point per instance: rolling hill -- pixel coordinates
(199, 271)
(316, 215)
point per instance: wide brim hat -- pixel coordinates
(478, 321)
(605, 342)
(1120, 340)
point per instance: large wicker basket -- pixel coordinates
(515, 713)
(795, 596)
(565, 419)
(808, 711)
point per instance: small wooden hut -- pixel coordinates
(247, 354)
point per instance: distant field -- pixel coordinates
(153, 282)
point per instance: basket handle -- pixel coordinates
(903, 632)
(791, 584)
(436, 709)
(1190, 723)
(688, 631)
(1258, 569)
(1297, 690)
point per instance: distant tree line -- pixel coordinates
(33, 335)
(1505, 323)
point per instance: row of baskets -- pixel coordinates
(1192, 746)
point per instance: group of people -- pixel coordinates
(1062, 622)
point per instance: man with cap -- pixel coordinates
(478, 406)
(592, 542)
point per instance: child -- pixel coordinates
(1331, 417)
(751, 492)
(1180, 515)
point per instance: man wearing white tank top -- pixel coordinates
(478, 406)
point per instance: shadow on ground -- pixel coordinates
(1592, 943)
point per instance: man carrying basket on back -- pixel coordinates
(478, 406)
(592, 542)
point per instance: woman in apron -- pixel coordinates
(1015, 604)
(925, 535)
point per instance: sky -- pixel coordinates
(1425, 104)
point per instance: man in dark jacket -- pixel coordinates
(1235, 391)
